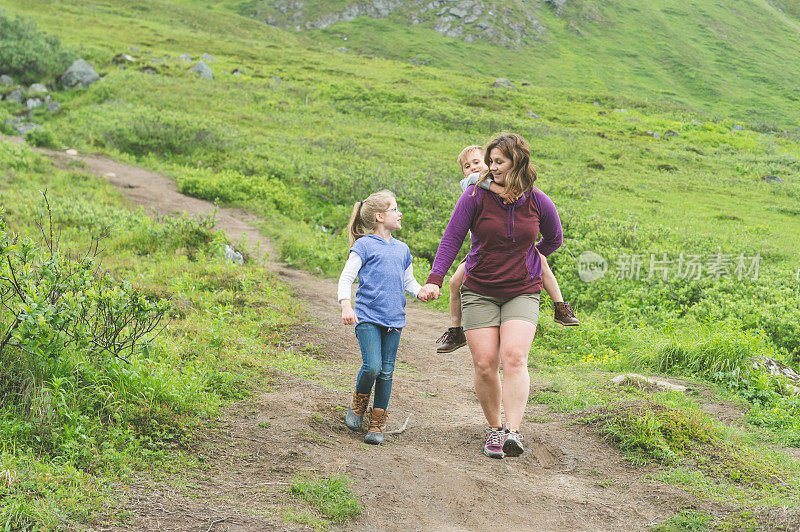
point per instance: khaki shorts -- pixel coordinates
(478, 311)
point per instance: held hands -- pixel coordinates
(348, 315)
(428, 292)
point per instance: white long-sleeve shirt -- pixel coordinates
(350, 272)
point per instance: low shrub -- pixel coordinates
(28, 54)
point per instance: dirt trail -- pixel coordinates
(433, 476)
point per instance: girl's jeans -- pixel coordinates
(378, 350)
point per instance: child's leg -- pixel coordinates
(549, 281)
(390, 340)
(455, 296)
(369, 340)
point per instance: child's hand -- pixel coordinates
(428, 292)
(348, 315)
(509, 196)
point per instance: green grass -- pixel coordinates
(331, 496)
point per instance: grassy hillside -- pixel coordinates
(721, 60)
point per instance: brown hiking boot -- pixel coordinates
(451, 340)
(564, 315)
(377, 424)
(354, 417)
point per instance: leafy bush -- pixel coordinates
(28, 54)
(142, 131)
(42, 138)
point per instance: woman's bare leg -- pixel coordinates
(484, 344)
(516, 337)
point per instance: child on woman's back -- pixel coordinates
(383, 267)
(471, 161)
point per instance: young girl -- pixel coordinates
(383, 267)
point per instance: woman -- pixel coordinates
(500, 294)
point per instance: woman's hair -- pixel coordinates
(522, 175)
(362, 221)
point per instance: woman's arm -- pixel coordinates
(454, 235)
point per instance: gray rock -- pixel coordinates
(276, 80)
(671, 133)
(134, 49)
(33, 103)
(775, 367)
(696, 123)
(458, 12)
(202, 69)
(149, 70)
(596, 104)
(342, 49)
(648, 382)
(502, 82)
(13, 121)
(37, 88)
(79, 75)
(53, 107)
(620, 110)
(231, 255)
(123, 59)
(737, 127)
(237, 72)
(208, 58)
(654, 134)
(531, 114)
(16, 96)
(185, 57)
(6, 80)
(24, 129)
(772, 179)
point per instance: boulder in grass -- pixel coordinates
(531, 114)
(185, 57)
(237, 72)
(37, 88)
(502, 82)
(53, 107)
(641, 381)
(202, 69)
(6, 80)
(123, 59)
(16, 96)
(737, 127)
(671, 133)
(231, 255)
(208, 58)
(24, 129)
(33, 103)
(772, 179)
(79, 75)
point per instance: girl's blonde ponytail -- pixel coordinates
(362, 220)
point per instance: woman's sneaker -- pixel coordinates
(512, 444)
(454, 338)
(494, 443)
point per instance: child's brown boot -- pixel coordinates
(377, 424)
(564, 315)
(451, 340)
(354, 417)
